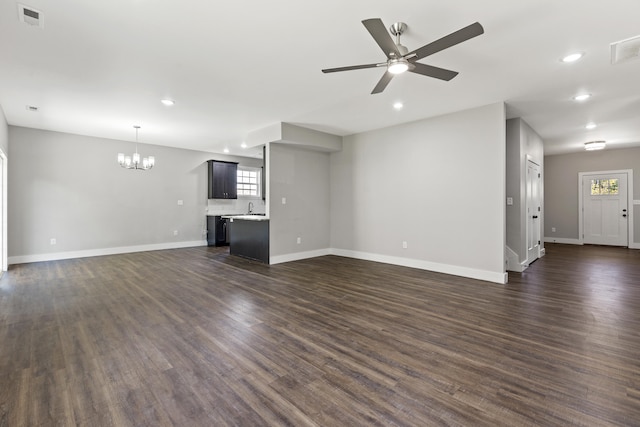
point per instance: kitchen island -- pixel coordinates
(249, 237)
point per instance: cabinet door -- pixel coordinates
(211, 230)
(223, 180)
(219, 176)
(231, 181)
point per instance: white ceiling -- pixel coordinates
(232, 67)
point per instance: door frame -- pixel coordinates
(528, 229)
(4, 248)
(629, 173)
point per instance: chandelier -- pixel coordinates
(133, 162)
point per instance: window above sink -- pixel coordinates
(249, 181)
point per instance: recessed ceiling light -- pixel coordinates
(591, 125)
(226, 150)
(398, 105)
(167, 102)
(573, 57)
(582, 97)
(594, 145)
(243, 145)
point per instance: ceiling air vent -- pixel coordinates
(30, 16)
(625, 50)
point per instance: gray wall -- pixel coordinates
(70, 187)
(302, 177)
(522, 140)
(561, 187)
(438, 184)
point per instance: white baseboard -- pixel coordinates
(454, 270)
(21, 259)
(562, 240)
(578, 242)
(513, 261)
(488, 276)
(278, 259)
(518, 268)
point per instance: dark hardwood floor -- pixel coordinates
(195, 337)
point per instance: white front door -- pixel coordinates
(605, 209)
(534, 212)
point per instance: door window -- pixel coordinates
(604, 187)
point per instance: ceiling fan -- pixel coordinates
(399, 59)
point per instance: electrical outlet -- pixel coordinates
(180, 203)
(284, 200)
(553, 229)
(299, 240)
(53, 241)
(175, 232)
(404, 245)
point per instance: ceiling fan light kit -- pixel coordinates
(400, 60)
(397, 66)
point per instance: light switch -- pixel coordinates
(284, 200)
(509, 201)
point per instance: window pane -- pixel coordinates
(604, 187)
(248, 182)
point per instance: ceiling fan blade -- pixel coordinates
(445, 42)
(431, 71)
(382, 84)
(380, 34)
(353, 67)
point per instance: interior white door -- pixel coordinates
(605, 209)
(534, 211)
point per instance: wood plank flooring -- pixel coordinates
(195, 337)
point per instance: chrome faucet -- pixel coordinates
(250, 208)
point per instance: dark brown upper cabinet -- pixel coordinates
(223, 179)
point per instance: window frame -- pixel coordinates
(258, 172)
